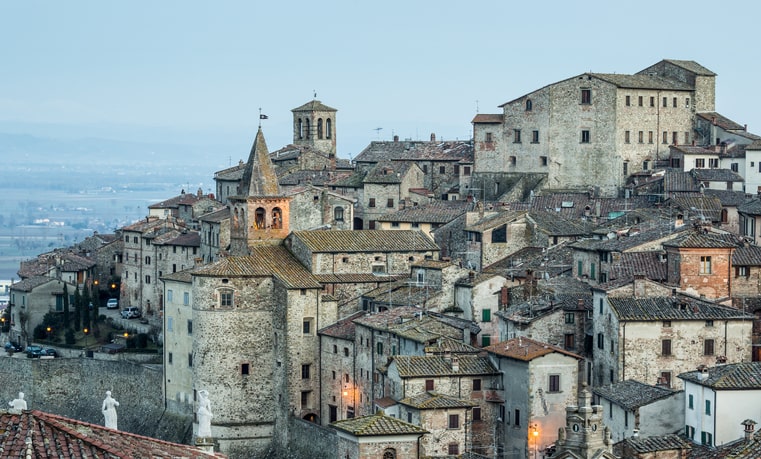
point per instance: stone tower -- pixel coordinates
(314, 125)
(584, 435)
(260, 213)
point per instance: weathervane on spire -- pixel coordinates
(261, 117)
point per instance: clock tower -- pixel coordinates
(584, 435)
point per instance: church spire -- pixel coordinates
(259, 177)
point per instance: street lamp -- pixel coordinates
(535, 434)
(48, 330)
(86, 331)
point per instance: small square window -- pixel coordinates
(245, 368)
(542, 160)
(586, 96)
(454, 421)
(554, 385)
(639, 101)
(585, 136)
(476, 384)
(516, 136)
(534, 136)
(442, 169)
(429, 384)
(371, 202)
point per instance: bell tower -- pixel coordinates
(314, 125)
(584, 435)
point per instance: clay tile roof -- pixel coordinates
(315, 105)
(526, 349)
(728, 198)
(216, 216)
(747, 256)
(433, 401)
(676, 180)
(435, 212)
(377, 424)
(492, 221)
(233, 174)
(175, 202)
(264, 261)
(388, 172)
(30, 283)
(700, 240)
(344, 328)
(347, 241)
(179, 276)
(649, 264)
(680, 307)
(721, 121)
(446, 345)
(416, 150)
(752, 207)
(632, 394)
(416, 366)
(717, 175)
(189, 239)
(55, 436)
(488, 118)
(643, 81)
(732, 376)
(691, 66)
(555, 225)
(653, 444)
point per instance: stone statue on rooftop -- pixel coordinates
(204, 414)
(109, 410)
(18, 404)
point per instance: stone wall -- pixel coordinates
(75, 388)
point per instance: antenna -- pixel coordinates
(377, 131)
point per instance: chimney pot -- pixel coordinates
(396, 138)
(433, 137)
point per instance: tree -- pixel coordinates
(66, 317)
(77, 309)
(85, 309)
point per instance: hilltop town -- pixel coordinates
(580, 279)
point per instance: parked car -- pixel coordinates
(131, 312)
(33, 351)
(13, 347)
(112, 303)
(49, 352)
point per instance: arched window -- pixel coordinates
(235, 219)
(301, 129)
(529, 105)
(319, 128)
(259, 218)
(277, 218)
(307, 130)
(389, 454)
(328, 129)
(338, 214)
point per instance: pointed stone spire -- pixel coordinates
(259, 178)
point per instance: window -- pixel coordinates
(516, 136)
(190, 360)
(476, 413)
(305, 399)
(626, 419)
(585, 137)
(338, 214)
(305, 371)
(709, 323)
(628, 101)
(665, 139)
(666, 323)
(569, 317)
(674, 139)
(529, 105)
(639, 101)
(689, 432)
(641, 137)
(554, 383)
(170, 324)
(649, 136)
(186, 298)
(700, 163)
(569, 340)
(485, 340)
(600, 341)
(486, 315)
(147, 260)
(713, 163)
(665, 101)
(706, 438)
(226, 299)
(169, 357)
(371, 203)
(734, 167)
(586, 96)
(476, 384)
(666, 347)
(346, 352)
(307, 326)
(705, 265)
(453, 449)
(147, 279)
(627, 137)
(741, 271)
(457, 170)
(429, 384)
(466, 171)
(691, 402)
(542, 160)
(454, 421)
(379, 348)
(687, 140)
(708, 348)
(652, 101)
(245, 368)
(674, 102)
(389, 454)
(708, 407)
(190, 327)
(665, 378)
(534, 136)
(517, 417)
(390, 202)
(488, 140)
(600, 303)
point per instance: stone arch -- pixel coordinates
(277, 218)
(328, 129)
(389, 453)
(529, 105)
(311, 417)
(260, 216)
(235, 219)
(319, 128)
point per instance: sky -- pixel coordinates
(197, 73)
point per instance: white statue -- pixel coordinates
(109, 410)
(204, 414)
(19, 403)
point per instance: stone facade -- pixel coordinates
(30, 300)
(479, 299)
(178, 343)
(314, 125)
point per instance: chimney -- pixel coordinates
(713, 120)
(455, 364)
(703, 373)
(396, 138)
(745, 128)
(580, 303)
(433, 136)
(749, 425)
(639, 285)
(504, 297)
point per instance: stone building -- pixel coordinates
(594, 129)
(448, 421)
(378, 436)
(479, 296)
(386, 184)
(635, 408)
(584, 435)
(657, 323)
(490, 236)
(538, 380)
(30, 300)
(215, 234)
(178, 342)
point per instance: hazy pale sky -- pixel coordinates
(198, 72)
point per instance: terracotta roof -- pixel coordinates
(680, 307)
(526, 349)
(738, 449)
(555, 225)
(677, 180)
(653, 444)
(145, 224)
(264, 261)
(446, 345)
(631, 394)
(650, 264)
(314, 105)
(216, 216)
(732, 376)
(752, 207)
(316, 178)
(721, 121)
(434, 212)
(435, 401)
(179, 276)
(701, 240)
(173, 203)
(728, 198)
(53, 436)
(30, 283)
(492, 221)
(388, 172)
(691, 66)
(417, 150)
(554, 261)
(178, 238)
(415, 366)
(232, 174)
(488, 118)
(717, 175)
(344, 328)
(358, 278)
(377, 424)
(749, 255)
(345, 241)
